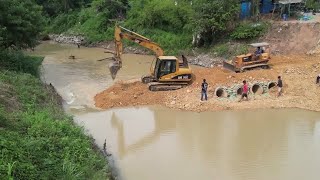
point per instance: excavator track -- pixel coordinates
(230, 67)
(157, 86)
(147, 79)
(255, 66)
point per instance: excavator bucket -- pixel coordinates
(228, 66)
(114, 68)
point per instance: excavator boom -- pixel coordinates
(123, 33)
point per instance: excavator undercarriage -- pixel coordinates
(153, 85)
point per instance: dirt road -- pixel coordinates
(298, 74)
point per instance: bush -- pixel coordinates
(227, 50)
(313, 4)
(221, 49)
(247, 31)
(63, 22)
(17, 61)
(160, 14)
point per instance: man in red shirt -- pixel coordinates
(245, 90)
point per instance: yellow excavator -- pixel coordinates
(167, 73)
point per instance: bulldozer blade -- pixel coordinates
(114, 68)
(228, 66)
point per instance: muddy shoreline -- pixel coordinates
(194, 58)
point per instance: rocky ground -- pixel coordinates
(298, 72)
(200, 59)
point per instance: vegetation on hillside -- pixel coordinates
(174, 24)
(38, 141)
(20, 23)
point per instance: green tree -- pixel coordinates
(20, 23)
(103, 14)
(213, 18)
(313, 4)
(255, 9)
(160, 14)
(54, 7)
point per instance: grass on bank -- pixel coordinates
(38, 141)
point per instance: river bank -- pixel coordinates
(298, 73)
(194, 57)
(38, 140)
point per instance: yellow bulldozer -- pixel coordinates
(258, 59)
(167, 73)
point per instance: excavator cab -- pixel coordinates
(169, 69)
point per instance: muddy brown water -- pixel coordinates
(163, 144)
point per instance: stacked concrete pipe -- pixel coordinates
(235, 91)
(269, 85)
(222, 92)
(257, 88)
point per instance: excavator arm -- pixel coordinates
(123, 33)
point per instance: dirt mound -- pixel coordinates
(293, 38)
(128, 94)
(298, 74)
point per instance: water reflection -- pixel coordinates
(157, 143)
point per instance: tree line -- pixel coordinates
(22, 21)
(174, 21)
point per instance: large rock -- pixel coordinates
(67, 39)
(205, 60)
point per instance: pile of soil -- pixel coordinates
(298, 74)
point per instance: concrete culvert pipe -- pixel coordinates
(271, 85)
(239, 91)
(221, 92)
(257, 89)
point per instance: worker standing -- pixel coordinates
(280, 85)
(318, 79)
(204, 88)
(245, 90)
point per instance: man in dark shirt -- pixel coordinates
(204, 88)
(280, 85)
(318, 79)
(258, 51)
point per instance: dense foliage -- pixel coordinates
(20, 23)
(16, 61)
(249, 30)
(172, 24)
(313, 4)
(213, 18)
(38, 141)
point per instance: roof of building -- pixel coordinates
(259, 44)
(290, 1)
(167, 57)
